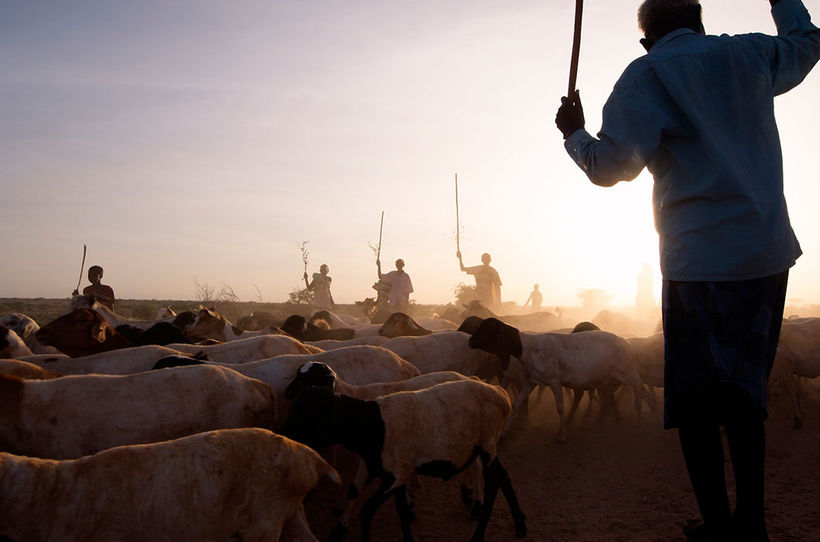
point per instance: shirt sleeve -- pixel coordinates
(796, 49)
(630, 131)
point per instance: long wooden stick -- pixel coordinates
(82, 266)
(379, 247)
(458, 224)
(576, 48)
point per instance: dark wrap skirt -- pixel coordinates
(718, 333)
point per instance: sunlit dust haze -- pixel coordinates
(204, 141)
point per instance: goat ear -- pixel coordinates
(98, 330)
(514, 342)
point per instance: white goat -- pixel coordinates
(248, 349)
(333, 344)
(581, 361)
(115, 362)
(314, 373)
(437, 431)
(26, 327)
(649, 358)
(444, 351)
(78, 415)
(802, 337)
(11, 345)
(113, 319)
(26, 370)
(232, 484)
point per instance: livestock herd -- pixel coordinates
(188, 427)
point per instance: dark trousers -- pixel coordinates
(721, 339)
(702, 448)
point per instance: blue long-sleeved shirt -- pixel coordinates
(698, 111)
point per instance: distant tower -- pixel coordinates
(645, 298)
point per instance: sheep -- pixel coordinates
(116, 362)
(437, 431)
(230, 484)
(437, 324)
(336, 321)
(314, 373)
(399, 324)
(445, 351)
(161, 333)
(113, 319)
(649, 353)
(350, 320)
(798, 356)
(314, 329)
(81, 332)
(177, 361)
(581, 361)
(530, 322)
(802, 337)
(26, 327)
(209, 324)
(248, 349)
(11, 345)
(79, 415)
(333, 344)
(782, 382)
(24, 369)
(358, 365)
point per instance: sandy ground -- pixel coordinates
(612, 481)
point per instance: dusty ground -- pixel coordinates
(609, 482)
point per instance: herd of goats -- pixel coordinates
(188, 427)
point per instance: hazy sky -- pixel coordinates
(204, 140)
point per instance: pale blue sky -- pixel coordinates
(205, 140)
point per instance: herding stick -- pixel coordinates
(576, 48)
(379, 247)
(458, 224)
(82, 266)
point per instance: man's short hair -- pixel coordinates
(656, 18)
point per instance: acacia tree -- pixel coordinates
(464, 293)
(301, 296)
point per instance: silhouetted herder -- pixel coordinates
(698, 111)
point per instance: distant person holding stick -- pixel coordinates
(400, 286)
(698, 111)
(320, 286)
(102, 292)
(487, 281)
(535, 297)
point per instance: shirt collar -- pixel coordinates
(672, 35)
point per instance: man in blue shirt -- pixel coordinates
(698, 112)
